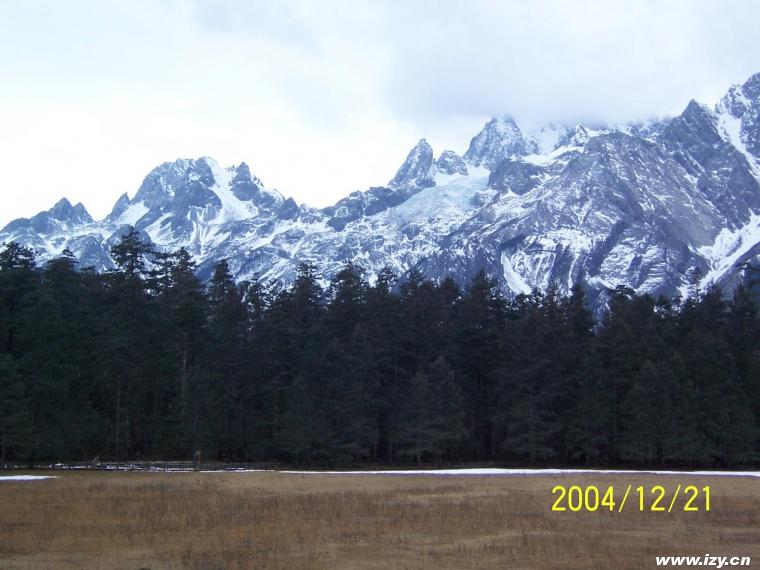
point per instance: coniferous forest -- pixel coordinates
(146, 362)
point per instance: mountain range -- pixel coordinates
(648, 205)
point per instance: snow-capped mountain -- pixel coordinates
(639, 204)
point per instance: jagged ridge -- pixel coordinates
(639, 204)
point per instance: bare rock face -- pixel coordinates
(640, 204)
(499, 139)
(417, 169)
(451, 163)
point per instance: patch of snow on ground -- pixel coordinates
(26, 477)
(506, 472)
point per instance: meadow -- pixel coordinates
(268, 520)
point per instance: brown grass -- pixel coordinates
(268, 520)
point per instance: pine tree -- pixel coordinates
(174, 415)
(130, 344)
(130, 254)
(480, 323)
(529, 382)
(18, 281)
(287, 344)
(383, 330)
(15, 417)
(55, 359)
(433, 414)
(725, 425)
(743, 336)
(145, 361)
(297, 428)
(228, 330)
(347, 394)
(584, 403)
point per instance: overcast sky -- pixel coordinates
(323, 98)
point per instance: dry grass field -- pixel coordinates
(138, 520)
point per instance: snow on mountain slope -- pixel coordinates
(640, 204)
(730, 247)
(132, 214)
(731, 129)
(546, 139)
(452, 198)
(233, 209)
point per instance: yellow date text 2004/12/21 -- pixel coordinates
(654, 498)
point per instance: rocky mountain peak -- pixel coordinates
(739, 116)
(242, 173)
(62, 216)
(122, 203)
(751, 87)
(248, 187)
(165, 181)
(734, 102)
(500, 138)
(65, 212)
(417, 169)
(451, 163)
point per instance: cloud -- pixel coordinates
(583, 60)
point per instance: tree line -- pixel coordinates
(146, 362)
